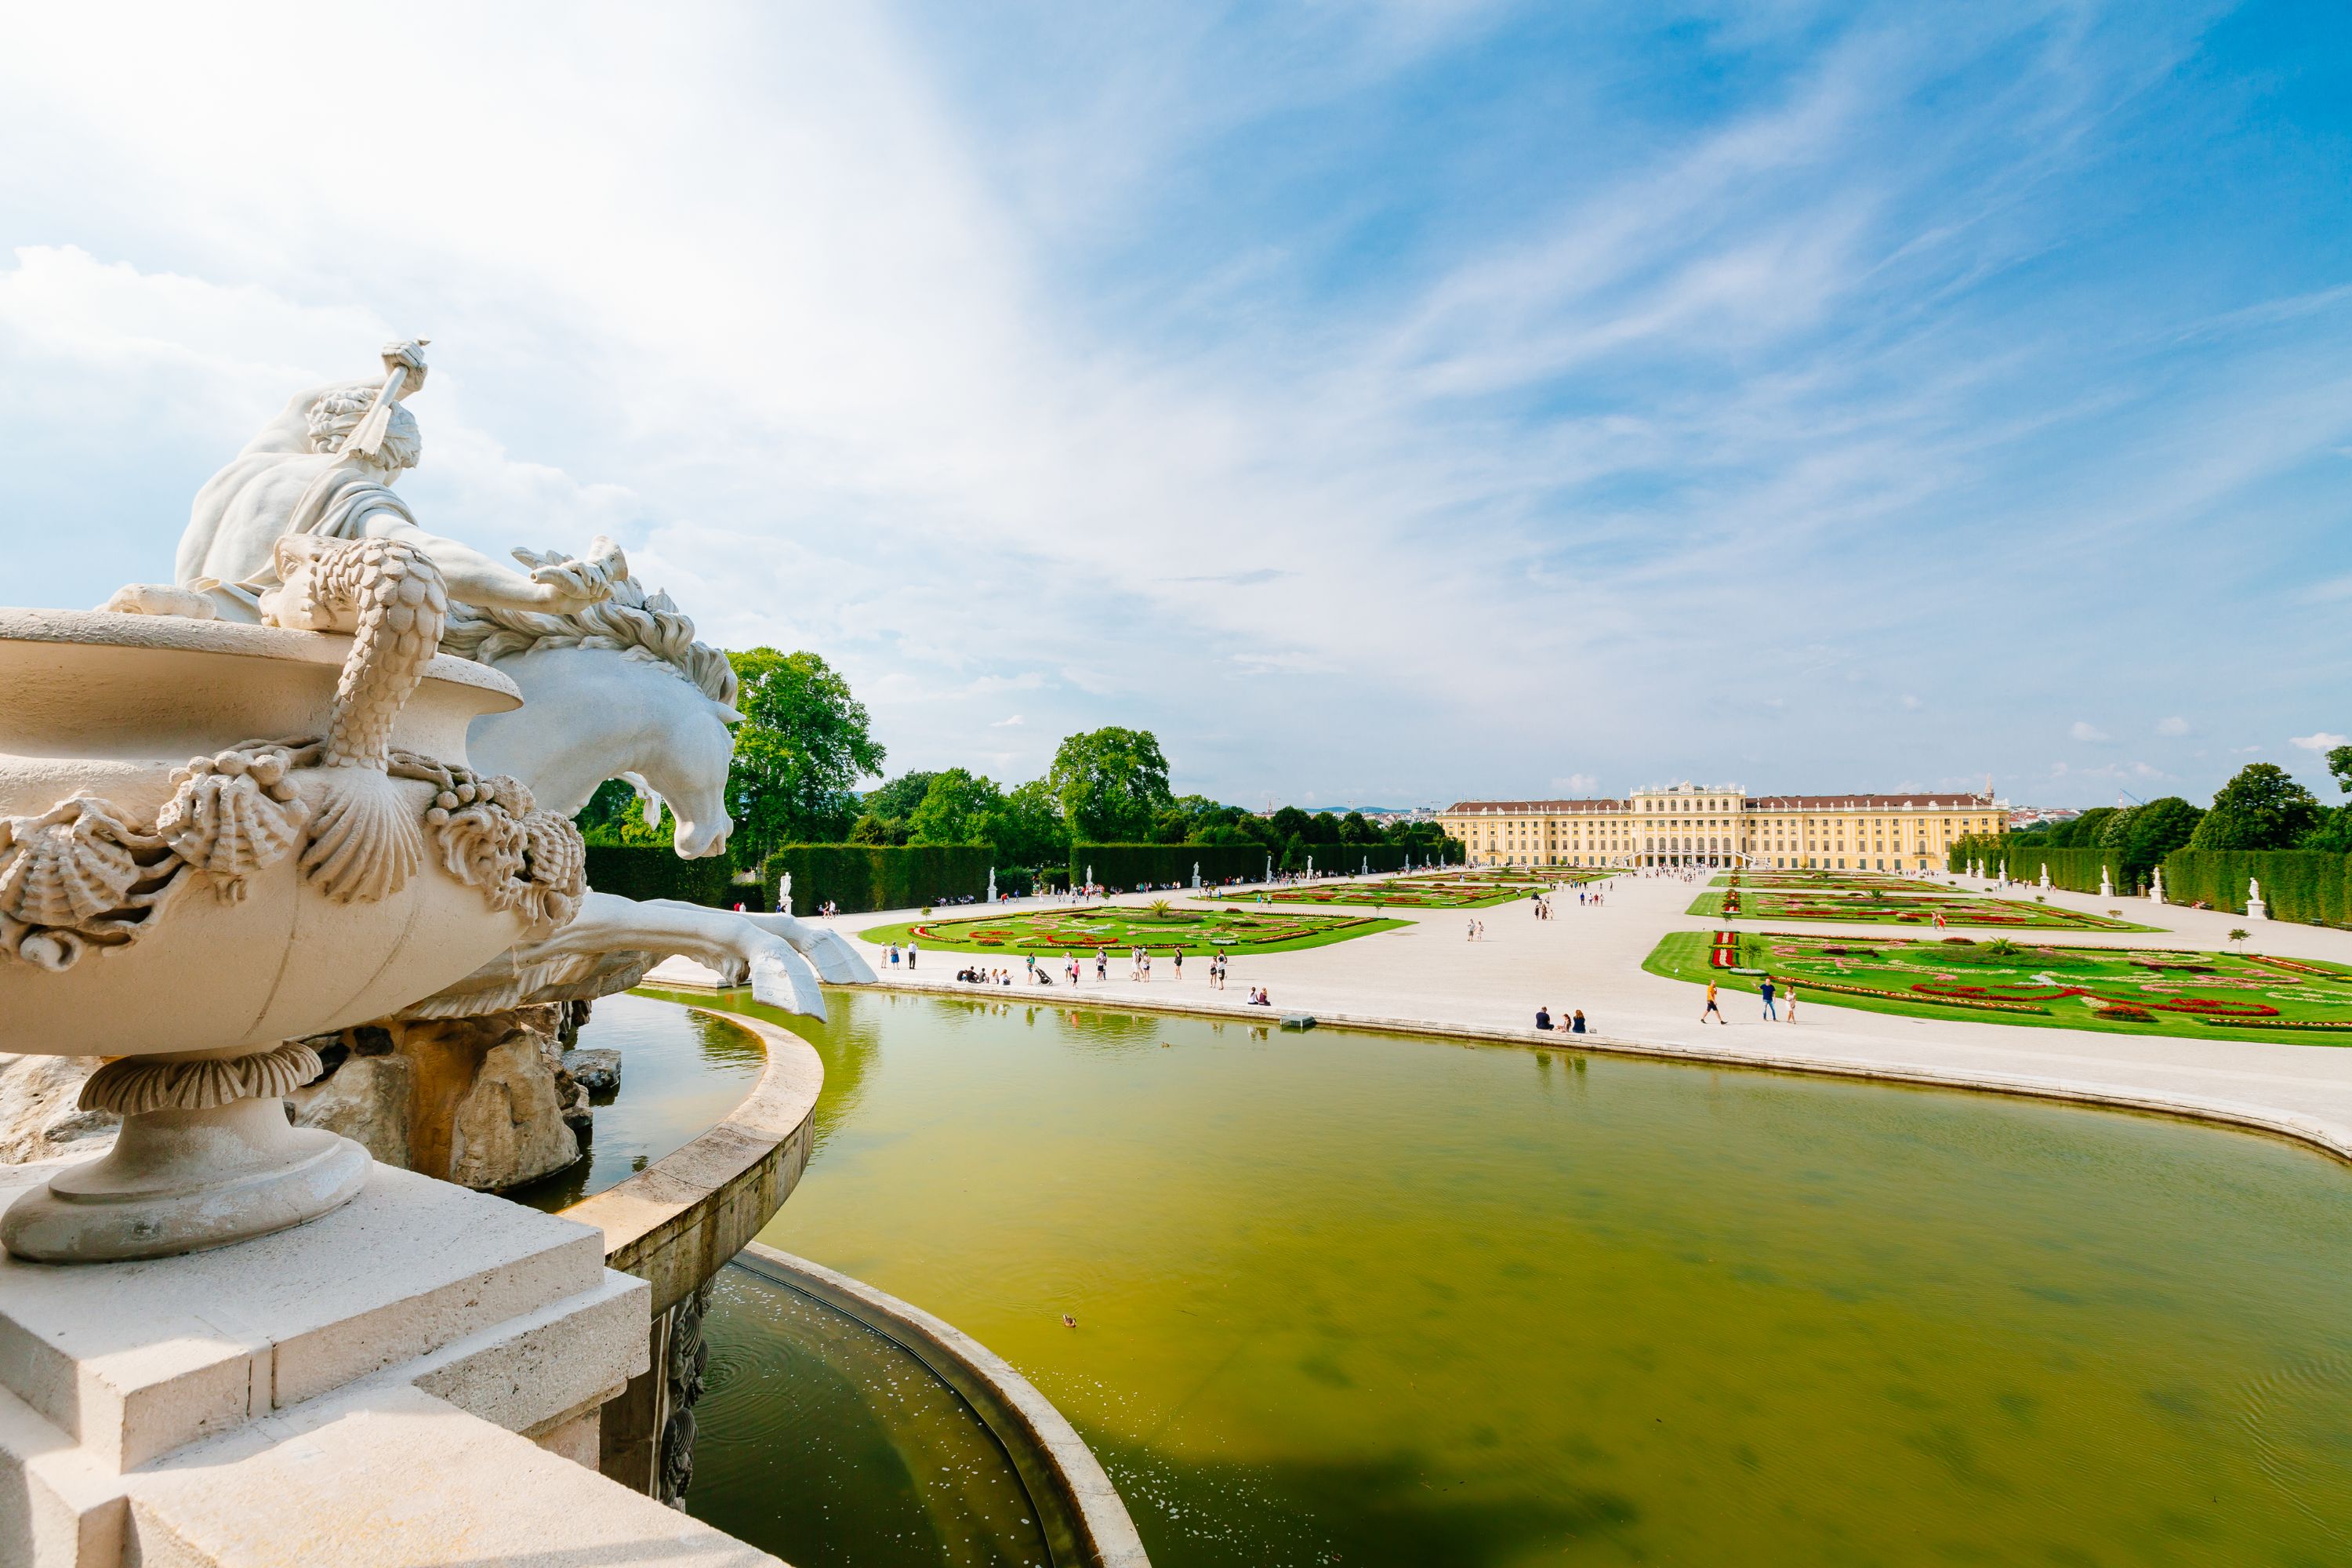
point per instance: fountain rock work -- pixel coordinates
(249, 855)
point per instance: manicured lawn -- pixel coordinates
(1119, 927)
(1897, 909)
(2132, 991)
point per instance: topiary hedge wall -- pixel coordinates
(863, 876)
(654, 871)
(1131, 866)
(2309, 885)
(2076, 870)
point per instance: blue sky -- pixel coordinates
(1380, 402)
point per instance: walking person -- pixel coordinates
(1765, 991)
(911, 950)
(1712, 1007)
(1180, 964)
(1792, 1002)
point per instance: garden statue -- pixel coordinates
(1269, 867)
(323, 469)
(351, 858)
(2045, 875)
(1196, 876)
(1368, 864)
(785, 895)
(991, 884)
(2256, 908)
(566, 675)
(2155, 886)
(2106, 883)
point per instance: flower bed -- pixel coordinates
(2156, 991)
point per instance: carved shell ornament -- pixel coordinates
(78, 876)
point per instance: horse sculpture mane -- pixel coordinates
(633, 622)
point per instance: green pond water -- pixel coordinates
(1352, 1299)
(680, 1075)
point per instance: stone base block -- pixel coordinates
(405, 1380)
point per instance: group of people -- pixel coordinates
(1573, 1023)
(910, 951)
(976, 976)
(1770, 994)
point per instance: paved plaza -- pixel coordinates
(1428, 976)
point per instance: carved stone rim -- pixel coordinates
(130, 1085)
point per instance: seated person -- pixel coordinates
(1543, 1018)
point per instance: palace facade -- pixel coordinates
(1691, 825)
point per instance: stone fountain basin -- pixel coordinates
(110, 704)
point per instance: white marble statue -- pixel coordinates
(2155, 886)
(2256, 910)
(352, 861)
(2106, 883)
(1196, 876)
(991, 884)
(619, 689)
(784, 894)
(324, 469)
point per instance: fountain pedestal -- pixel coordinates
(421, 1342)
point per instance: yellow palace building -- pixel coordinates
(1691, 825)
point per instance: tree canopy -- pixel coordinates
(804, 743)
(1110, 784)
(2262, 808)
(960, 807)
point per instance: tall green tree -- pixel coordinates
(2262, 808)
(960, 807)
(2334, 831)
(1029, 829)
(804, 743)
(899, 798)
(1111, 783)
(2157, 829)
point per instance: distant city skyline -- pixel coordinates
(1386, 402)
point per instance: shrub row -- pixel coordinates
(2314, 886)
(2076, 870)
(2310, 885)
(863, 876)
(654, 871)
(1133, 865)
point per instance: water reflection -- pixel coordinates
(681, 1074)
(1373, 1299)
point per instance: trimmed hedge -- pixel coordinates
(2314, 886)
(1131, 866)
(865, 877)
(654, 871)
(2076, 870)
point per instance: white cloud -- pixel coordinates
(2175, 726)
(857, 353)
(2088, 733)
(1576, 784)
(2319, 741)
(1910, 703)
(1007, 723)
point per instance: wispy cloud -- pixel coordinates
(1220, 371)
(2319, 741)
(1008, 722)
(2089, 733)
(2173, 726)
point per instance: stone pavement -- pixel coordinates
(1429, 976)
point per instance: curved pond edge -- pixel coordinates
(674, 1225)
(1084, 1519)
(2330, 1138)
